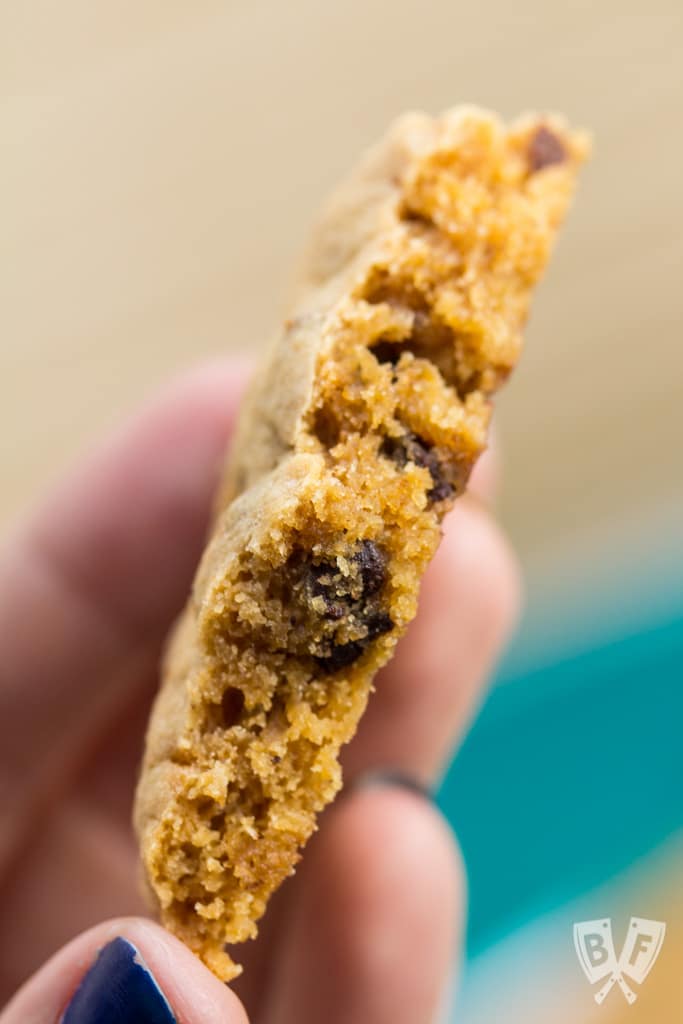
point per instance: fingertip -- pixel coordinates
(483, 482)
(77, 977)
(195, 994)
(127, 525)
(378, 914)
(212, 390)
(476, 547)
(484, 478)
(399, 858)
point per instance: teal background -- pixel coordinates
(571, 773)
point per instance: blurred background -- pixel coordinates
(161, 163)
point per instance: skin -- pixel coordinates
(90, 582)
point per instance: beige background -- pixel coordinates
(161, 161)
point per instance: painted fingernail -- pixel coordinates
(119, 988)
(393, 777)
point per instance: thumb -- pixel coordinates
(126, 971)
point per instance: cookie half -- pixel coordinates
(358, 435)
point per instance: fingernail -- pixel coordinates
(119, 988)
(393, 777)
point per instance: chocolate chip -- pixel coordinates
(411, 448)
(329, 597)
(320, 582)
(378, 624)
(343, 655)
(339, 592)
(340, 656)
(394, 448)
(372, 563)
(441, 491)
(545, 149)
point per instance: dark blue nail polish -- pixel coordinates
(118, 989)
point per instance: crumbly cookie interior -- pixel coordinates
(293, 614)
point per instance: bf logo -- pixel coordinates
(595, 949)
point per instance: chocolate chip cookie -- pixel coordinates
(359, 433)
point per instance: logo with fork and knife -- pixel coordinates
(594, 946)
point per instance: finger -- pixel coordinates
(425, 697)
(124, 971)
(123, 532)
(485, 476)
(375, 917)
(89, 583)
(78, 868)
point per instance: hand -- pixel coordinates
(89, 585)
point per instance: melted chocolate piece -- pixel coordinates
(320, 582)
(378, 624)
(373, 567)
(545, 149)
(340, 592)
(411, 448)
(342, 655)
(332, 594)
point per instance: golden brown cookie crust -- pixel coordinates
(357, 436)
